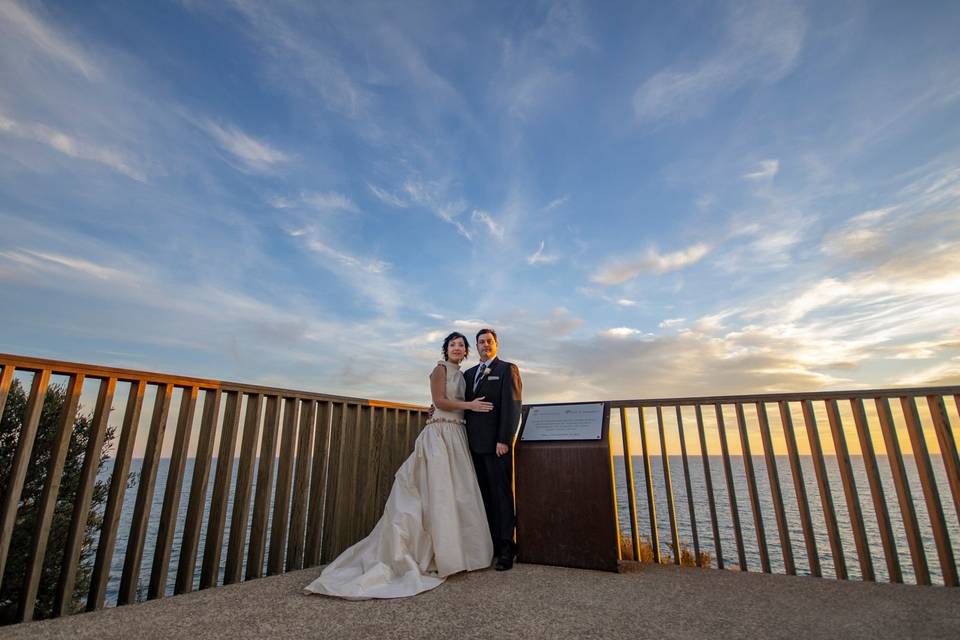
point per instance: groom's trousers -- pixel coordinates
(495, 477)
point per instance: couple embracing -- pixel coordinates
(451, 505)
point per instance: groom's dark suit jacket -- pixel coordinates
(500, 385)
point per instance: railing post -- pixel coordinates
(648, 481)
(752, 489)
(929, 483)
(876, 491)
(731, 489)
(115, 495)
(708, 480)
(850, 491)
(800, 489)
(21, 459)
(631, 490)
(826, 498)
(686, 480)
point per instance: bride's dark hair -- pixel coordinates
(453, 336)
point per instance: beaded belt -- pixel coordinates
(446, 420)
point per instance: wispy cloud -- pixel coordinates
(73, 147)
(346, 259)
(672, 322)
(254, 155)
(763, 42)
(622, 332)
(538, 257)
(429, 195)
(533, 66)
(323, 202)
(387, 197)
(42, 261)
(495, 229)
(556, 203)
(620, 270)
(46, 39)
(295, 53)
(764, 170)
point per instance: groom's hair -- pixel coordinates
(491, 332)
(453, 336)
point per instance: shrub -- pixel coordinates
(687, 557)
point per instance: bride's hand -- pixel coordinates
(480, 405)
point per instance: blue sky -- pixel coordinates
(645, 199)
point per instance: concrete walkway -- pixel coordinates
(534, 601)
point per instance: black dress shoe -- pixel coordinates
(504, 561)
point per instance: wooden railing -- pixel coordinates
(900, 417)
(301, 476)
(320, 492)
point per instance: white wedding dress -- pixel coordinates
(433, 524)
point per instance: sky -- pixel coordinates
(644, 199)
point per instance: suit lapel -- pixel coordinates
(470, 377)
(488, 370)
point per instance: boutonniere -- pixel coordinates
(486, 372)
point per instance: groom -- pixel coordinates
(491, 438)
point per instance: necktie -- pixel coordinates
(476, 381)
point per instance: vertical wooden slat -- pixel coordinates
(281, 502)
(48, 497)
(241, 493)
(301, 485)
(671, 508)
(129, 580)
(902, 485)
(686, 480)
(752, 489)
(382, 454)
(408, 432)
(171, 495)
(948, 446)
(21, 460)
(318, 484)
(648, 481)
(6, 379)
(213, 543)
(928, 481)
(362, 485)
(370, 471)
(850, 491)
(329, 548)
(876, 491)
(708, 480)
(335, 498)
(115, 494)
(783, 527)
(631, 489)
(187, 563)
(823, 482)
(385, 466)
(261, 501)
(81, 507)
(731, 489)
(396, 450)
(800, 489)
(354, 496)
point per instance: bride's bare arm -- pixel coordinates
(438, 392)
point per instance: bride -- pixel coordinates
(434, 523)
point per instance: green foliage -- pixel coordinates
(14, 576)
(687, 557)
